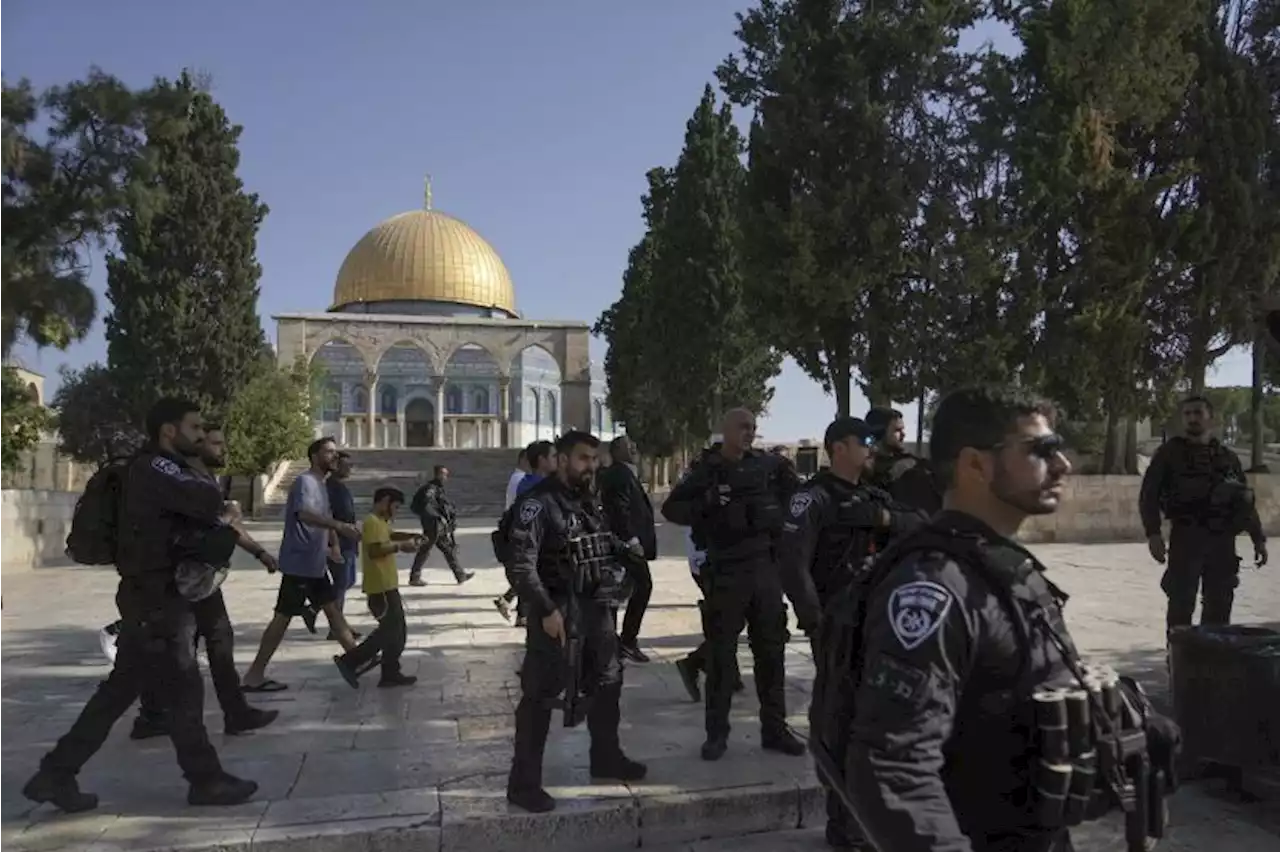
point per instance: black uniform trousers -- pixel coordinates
(641, 577)
(748, 594)
(155, 654)
(213, 624)
(1200, 560)
(543, 678)
(437, 536)
(388, 639)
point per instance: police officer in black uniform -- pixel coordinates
(439, 519)
(959, 636)
(548, 525)
(907, 477)
(738, 496)
(1200, 486)
(162, 498)
(835, 523)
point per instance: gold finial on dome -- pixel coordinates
(426, 193)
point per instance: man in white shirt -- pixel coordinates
(521, 471)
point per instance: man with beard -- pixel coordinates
(836, 522)
(439, 519)
(554, 521)
(165, 498)
(214, 624)
(960, 629)
(309, 543)
(736, 496)
(908, 478)
(631, 519)
(1200, 486)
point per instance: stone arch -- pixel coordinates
(535, 371)
(551, 411)
(420, 422)
(325, 347)
(408, 361)
(472, 354)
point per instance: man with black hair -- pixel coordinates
(309, 543)
(1200, 486)
(343, 507)
(162, 499)
(439, 518)
(631, 519)
(379, 546)
(553, 530)
(907, 477)
(960, 629)
(213, 624)
(834, 525)
(736, 497)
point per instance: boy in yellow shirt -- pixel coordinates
(378, 548)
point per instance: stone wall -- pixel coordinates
(35, 526)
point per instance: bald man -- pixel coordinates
(739, 497)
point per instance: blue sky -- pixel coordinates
(537, 123)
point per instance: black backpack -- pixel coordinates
(839, 646)
(95, 527)
(418, 504)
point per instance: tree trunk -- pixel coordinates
(841, 381)
(1131, 445)
(251, 506)
(1113, 453)
(1256, 463)
(920, 424)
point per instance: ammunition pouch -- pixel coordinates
(596, 571)
(1100, 747)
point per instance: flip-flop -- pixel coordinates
(267, 685)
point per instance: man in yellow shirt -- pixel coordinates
(378, 548)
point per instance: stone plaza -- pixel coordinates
(424, 768)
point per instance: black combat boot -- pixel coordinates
(249, 719)
(59, 790)
(145, 728)
(715, 747)
(782, 741)
(224, 790)
(535, 800)
(618, 767)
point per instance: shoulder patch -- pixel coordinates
(800, 503)
(917, 610)
(529, 510)
(166, 466)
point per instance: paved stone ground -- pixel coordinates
(424, 768)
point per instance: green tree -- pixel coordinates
(94, 422)
(25, 420)
(183, 284)
(64, 189)
(710, 356)
(839, 163)
(269, 420)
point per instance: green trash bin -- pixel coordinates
(1226, 694)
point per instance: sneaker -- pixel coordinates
(632, 652)
(689, 677)
(309, 619)
(504, 608)
(225, 790)
(535, 801)
(249, 720)
(466, 575)
(61, 791)
(417, 581)
(389, 681)
(348, 671)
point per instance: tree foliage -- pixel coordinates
(95, 424)
(25, 420)
(183, 283)
(71, 157)
(270, 419)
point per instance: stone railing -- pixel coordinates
(35, 524)
(1105, 508)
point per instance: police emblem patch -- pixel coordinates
(800, 503)
(165, 466)
(917, 610)
(529, 510)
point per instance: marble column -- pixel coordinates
(404, 434)
(371, 379)
(439, 430)
(504, 410)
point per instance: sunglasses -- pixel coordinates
(1042, 446)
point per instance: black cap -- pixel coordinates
(846, 427)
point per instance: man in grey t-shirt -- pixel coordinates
(310, 540)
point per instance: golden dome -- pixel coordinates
(424, 255)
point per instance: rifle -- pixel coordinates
(575, 698)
